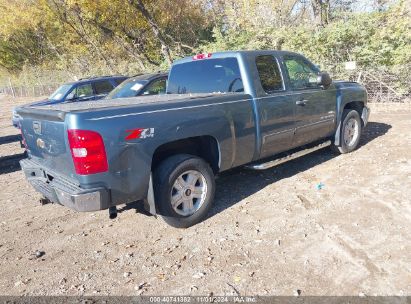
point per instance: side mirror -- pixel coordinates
(324, 80)
(71, 99)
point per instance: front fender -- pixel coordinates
(350, 95)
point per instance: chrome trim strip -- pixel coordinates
(315, 123)
(278, 133)
(166, 110)
(294, 129)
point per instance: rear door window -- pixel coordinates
(269, 72)
(219, 75)
(103, 87)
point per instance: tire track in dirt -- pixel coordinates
(357, 254)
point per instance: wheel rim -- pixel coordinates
(351, 131)
(188, 193)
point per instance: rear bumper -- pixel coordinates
(63, 191)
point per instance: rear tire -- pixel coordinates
(350, 132)
(184, 188)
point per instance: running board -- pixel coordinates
(277, 161)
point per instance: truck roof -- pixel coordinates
(235, 54)
(96, 78)
(149, 77)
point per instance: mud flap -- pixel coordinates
(365, 115)
(337, 135)
(150, 202)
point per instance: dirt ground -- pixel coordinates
(269, 233)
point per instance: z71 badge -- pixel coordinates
(139, 133)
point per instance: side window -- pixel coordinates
(103, 87)
(302, 74)
(155, 88)
(119, 80)
(270, 75)
(84, 90)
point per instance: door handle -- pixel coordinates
(301, 102)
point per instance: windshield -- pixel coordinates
(60, 92)
(205, 76)
(128, 88)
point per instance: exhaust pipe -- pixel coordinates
(112, 212)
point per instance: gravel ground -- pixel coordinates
(269, 233)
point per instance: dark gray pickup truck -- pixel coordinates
(221, 110)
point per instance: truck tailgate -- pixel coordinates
(45, 135)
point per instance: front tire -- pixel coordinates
(350, 133)
(184, 188)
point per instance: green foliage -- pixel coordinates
(86, 37)
(371, 39)
(75, 38)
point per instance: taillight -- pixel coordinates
(202, 56)
(88, 152)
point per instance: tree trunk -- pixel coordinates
(154, 28)
(325, 8)
(316, 7)
(321, 11)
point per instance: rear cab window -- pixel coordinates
(211, 75)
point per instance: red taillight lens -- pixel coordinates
(202, 56)
(88, 152)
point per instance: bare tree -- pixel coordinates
(78, 26)
(165, 49)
